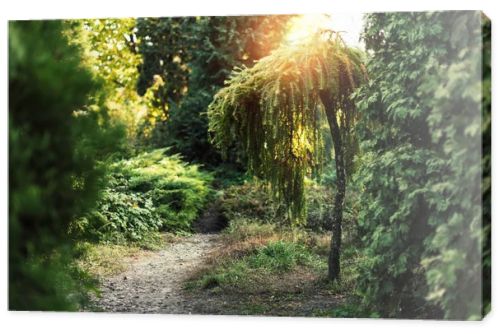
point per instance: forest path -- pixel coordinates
(154, 283)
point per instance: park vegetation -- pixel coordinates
(353, 182)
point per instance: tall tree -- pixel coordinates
(273, 109)
(53, 176)
(194, 56)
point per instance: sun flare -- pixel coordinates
(304, 26)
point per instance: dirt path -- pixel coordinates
(153, 284)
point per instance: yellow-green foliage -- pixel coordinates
(273, 111)
(110, 52)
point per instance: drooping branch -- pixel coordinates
(272, 110)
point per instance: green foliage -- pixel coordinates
(111, 53)
(146, 194)
(251, 201)
(272, 111)
(393, 219)
(453, 261)
(121, 218)
(194, 56)
(420, 175)
(53, 177)
(274, 258)
(165, 52)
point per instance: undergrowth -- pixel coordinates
(148, 193)
(266, 262)
(275, 258)
(252, 200)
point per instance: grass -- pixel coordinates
(109, 259)
(349, 310)
(261, 269)
(272, 270)
(256, 256)
(101, 260)
(281, 256)
(243, 236)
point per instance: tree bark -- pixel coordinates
(336, 241)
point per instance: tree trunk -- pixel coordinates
(336, 241)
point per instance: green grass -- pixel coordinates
(281, 256)
(267, 262)
(268, 269)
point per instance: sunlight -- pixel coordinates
(304, 26)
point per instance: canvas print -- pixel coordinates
(319, 165)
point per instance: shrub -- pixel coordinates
(250, 200)
(253, 201)
(52, 171)
(421, 174)
(146, 194)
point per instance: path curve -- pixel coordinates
(154, 284)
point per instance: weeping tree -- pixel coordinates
(274, 109)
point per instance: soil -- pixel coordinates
(211, 221)
(154, 283)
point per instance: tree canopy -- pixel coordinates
(194, 56)
(274, 108)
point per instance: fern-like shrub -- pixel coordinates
(147, 194)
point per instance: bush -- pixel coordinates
(52, 171)
(146, 194)
(253, 201)
(421, 175)
(250, 200)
